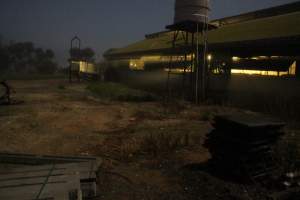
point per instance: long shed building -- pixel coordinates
(265, 42)
(260, 51)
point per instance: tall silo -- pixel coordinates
(191, 26)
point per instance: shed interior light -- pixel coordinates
(209, 57)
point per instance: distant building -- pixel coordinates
(84, 67)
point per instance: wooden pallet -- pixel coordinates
(31, 159)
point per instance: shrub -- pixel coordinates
(206, 116)
(61, 87)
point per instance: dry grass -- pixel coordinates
(153, 145)
(287, 153)
(157, 144)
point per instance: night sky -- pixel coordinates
(101, 24)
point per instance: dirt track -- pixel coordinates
(148, 149)
(55, 121)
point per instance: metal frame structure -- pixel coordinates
(179, 58)
(199, 70)
(73, 46)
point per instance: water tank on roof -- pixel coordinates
(191, 10)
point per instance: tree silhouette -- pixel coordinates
(44, 63)
(23, 57)
(86, 54)
(4, 58)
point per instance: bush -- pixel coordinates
(61, 87)
(115, 91)
(206, 116)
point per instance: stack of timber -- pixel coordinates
(55, 178)
(241, 144)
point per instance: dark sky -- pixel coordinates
(101, 24)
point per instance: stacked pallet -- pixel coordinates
(64, 181)
(241, 144)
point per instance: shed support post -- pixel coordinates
(298, 69)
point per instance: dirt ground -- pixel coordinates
(150, 150)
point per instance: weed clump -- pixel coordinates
(61, 87)
(156, 144)
(206, 116)
(118, 92)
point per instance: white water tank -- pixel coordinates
(192, 10)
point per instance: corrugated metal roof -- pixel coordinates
(263, 13)
(282, 26)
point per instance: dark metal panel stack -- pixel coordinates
(241, 144)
